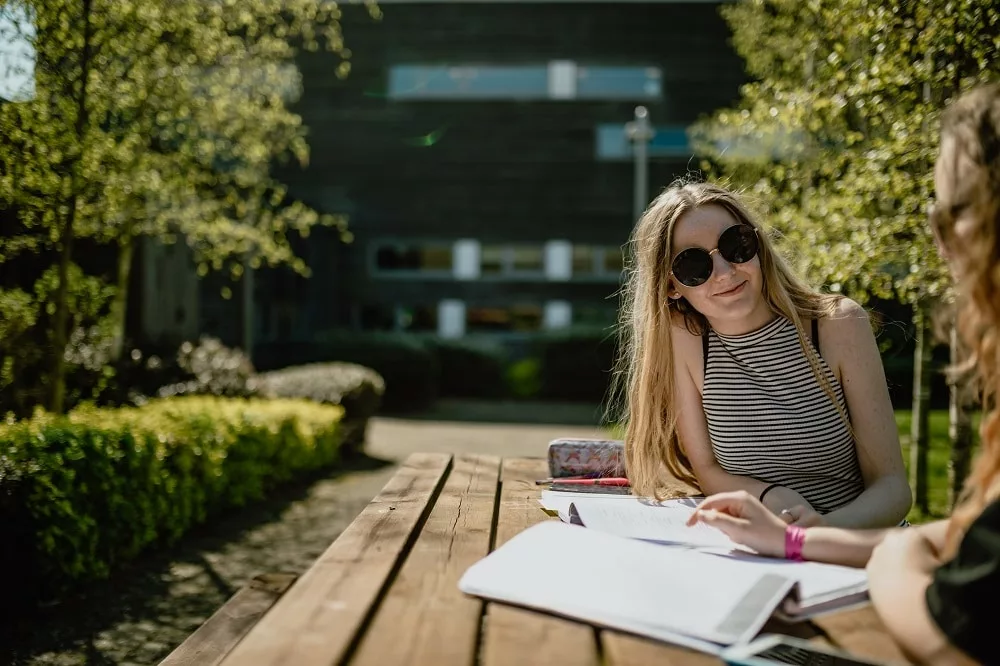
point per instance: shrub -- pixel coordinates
(409, 367)
(211, 368)
(95, 488)
(470, 369)
(524, 378)
(356, 388)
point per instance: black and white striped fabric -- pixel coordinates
(769, 418)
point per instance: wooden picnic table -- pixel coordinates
(385, 592)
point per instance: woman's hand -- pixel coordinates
(788, 505)
(802, 516)
(743, 518)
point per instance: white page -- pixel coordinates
(559, 500)
(664, 522)
(672, 594)
(817, 582)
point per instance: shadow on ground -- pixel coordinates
(511, 411)
(148, 608)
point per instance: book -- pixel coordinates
(821, 588)
(675, 595)
(633, 565)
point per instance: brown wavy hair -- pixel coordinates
(644, 374)
(972, 126)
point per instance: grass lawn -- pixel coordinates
(937, 461)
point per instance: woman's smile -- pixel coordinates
(733, 291)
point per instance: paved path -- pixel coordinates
(140, 615)
(397, 438)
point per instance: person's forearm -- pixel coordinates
(837, 545)
(718, 480)
(936, 533)
(780, 497)
(882, 504)
(899, 599)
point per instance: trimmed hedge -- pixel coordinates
(356, 388)
(94, 489)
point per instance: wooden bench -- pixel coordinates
(385, 592)
(220, 633)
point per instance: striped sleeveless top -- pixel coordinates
(769, 418)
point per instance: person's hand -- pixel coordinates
(903, 548)
(743, 518)
(802, 516)
(785, 499)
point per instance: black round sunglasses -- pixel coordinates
(693, 266)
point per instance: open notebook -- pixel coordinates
(675, 595)
(640, 572)
(821, 588)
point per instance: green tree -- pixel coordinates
(158, 118)
(838, 131)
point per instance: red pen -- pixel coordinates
(616, 481)
(560, 479)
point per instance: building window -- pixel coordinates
(583, 260)
(409, 258)
(512, 261)
(519, 318)
(558, 79)
(624, 83)
(613, 261)
(594, 316)
(468, 82)
(417, 318)
(605, 262)
(612, 144)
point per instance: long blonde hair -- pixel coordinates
(644, 374)
(973, 124)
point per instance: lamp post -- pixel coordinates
(640, 132)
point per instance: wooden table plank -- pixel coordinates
(861, 632)
(424, 618)
(213, 640)
(316, 621)
(627, 650)
(517, 636)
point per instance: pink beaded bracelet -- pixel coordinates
(795, 538)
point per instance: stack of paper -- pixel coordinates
(634, 565)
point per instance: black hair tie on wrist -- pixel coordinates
(767, 490)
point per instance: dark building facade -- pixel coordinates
(479, 150)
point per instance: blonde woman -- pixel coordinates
(934, 586)
(740, 377)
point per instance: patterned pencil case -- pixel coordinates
(586, 457)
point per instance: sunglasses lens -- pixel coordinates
(738, 244)
(692, 267)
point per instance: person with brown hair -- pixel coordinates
(736, 375)
(934, 585)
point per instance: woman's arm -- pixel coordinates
(899, 573)
(692, 429)
(746, 521)
(850, 349)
